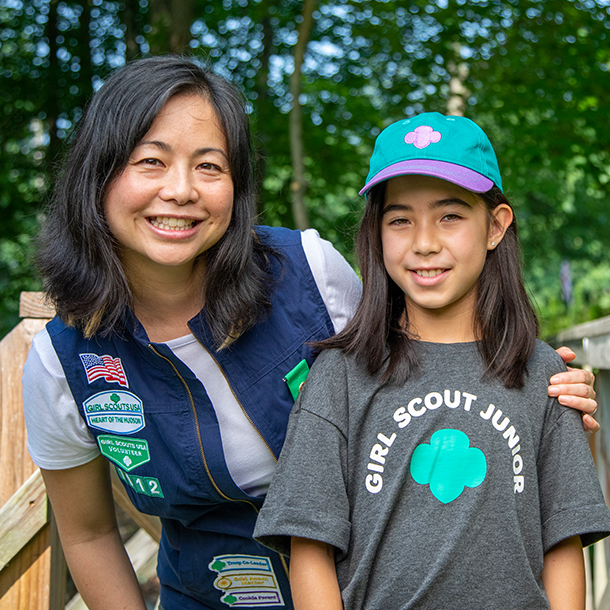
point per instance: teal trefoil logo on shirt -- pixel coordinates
(448, 464)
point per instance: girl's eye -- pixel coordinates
(399, 221)
(451, 217)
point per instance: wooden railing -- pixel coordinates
(591, 343)
(32, 567)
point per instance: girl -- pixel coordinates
(425, 466)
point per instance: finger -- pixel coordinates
(578, 390)
(567, 355)
(574, 376)
(586, 405)
(590, 424)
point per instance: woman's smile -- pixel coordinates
(171, 223)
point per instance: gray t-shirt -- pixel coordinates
(443, 493)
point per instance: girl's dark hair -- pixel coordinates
(77, 255)
(504, 321)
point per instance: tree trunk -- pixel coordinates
(458, 93)
(263, 104)
(298, 186)
(128, 15)
(84, 39)
(53, 74)
(182, 16)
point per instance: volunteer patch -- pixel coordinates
(128, 453)
(115, 411)
(246, 581)
(104, 367)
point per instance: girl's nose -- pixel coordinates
(179, 186)
(425, 240)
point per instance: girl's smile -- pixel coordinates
(428, 277)
(435, 237)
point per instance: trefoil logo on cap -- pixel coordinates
(422, 136)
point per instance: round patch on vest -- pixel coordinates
(115, 411)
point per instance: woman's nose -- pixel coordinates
(179, 186)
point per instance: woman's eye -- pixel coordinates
(207, 166)
(150, 161)
(399, 221)
(451, 217)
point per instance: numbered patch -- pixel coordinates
(246, 580)
(147, 486)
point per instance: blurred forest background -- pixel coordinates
(321, 79)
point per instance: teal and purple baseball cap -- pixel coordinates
(430, 144)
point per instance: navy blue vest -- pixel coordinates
(153, 419)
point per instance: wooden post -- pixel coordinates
(32, 565)
(25, 552)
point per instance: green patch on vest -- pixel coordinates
(296, 378)
(128, 453)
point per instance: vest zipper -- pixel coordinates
(282, 559)
(205, 462)
(235, 396)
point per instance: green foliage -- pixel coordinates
(534, 74)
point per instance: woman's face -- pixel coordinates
(174, 199)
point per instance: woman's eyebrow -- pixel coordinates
(156, 143)
(167, 148)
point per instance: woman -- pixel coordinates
(180, 343)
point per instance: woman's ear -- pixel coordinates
(501, 217)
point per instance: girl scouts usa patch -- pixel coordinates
(246, 581)
(116, 411)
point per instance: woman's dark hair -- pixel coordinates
(77, 255)
(504, 321)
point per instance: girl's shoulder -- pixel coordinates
(545, 361)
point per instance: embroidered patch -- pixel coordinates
(147, 486)
(105, 367)
(246, 580)
(128, 453)
(423, 136)
(118, 411)
(296, 378)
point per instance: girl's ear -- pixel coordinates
(501, 217)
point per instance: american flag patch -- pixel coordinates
(106, 367)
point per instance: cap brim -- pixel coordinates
(462, 176)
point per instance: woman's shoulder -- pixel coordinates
(278, 237)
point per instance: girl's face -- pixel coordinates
(435, 237)
(174, 199)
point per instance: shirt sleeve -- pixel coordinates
(308, 494)
(571, 499)
(338, 284)
(57, 435)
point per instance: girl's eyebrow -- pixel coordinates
(405, 207)
(167, 148)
